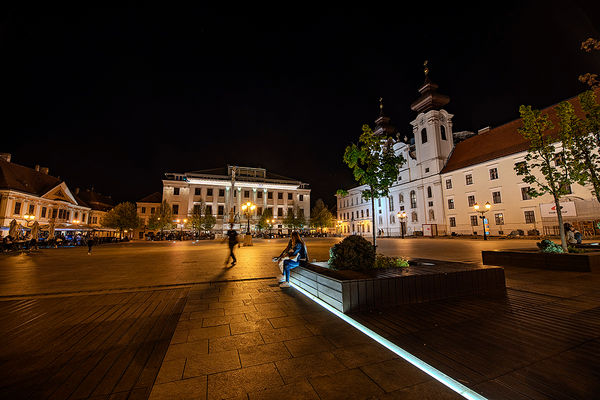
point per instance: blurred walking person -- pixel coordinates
(90, 243)
(232, 239)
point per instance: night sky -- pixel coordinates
(114, 98)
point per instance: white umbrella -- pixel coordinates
(35, 230)
(12, 231)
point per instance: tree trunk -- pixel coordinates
(373, 215)
(593, 177)
(561, 227)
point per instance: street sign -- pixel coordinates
(486, 226)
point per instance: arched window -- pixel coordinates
(431, 215)
(429, 194)
(400, 198)
(414, 217)
(443, 132)
(413, 199)
(423, 135)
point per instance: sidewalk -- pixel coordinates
(253, 340)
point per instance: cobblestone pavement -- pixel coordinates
(150, 264)
(171, 315)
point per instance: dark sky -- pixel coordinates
(115, 97)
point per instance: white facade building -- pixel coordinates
(224, 191)
(34, 193)
(442, 180)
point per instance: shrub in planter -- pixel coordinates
(548, 246)
(354, 252)
(382, 261)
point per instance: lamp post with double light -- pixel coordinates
(270, 222)
(248, 207)
(483, 210)
(402, 217)
(183, 222)
(29, 218)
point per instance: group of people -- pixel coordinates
(290, 257)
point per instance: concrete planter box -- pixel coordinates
(580, 262)
(424, 280)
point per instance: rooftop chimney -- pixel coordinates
(44, 170)
(5, 157)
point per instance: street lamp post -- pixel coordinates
(487, 207)
(248, 208)
(270, 222)
(402, 217)
(29, 219)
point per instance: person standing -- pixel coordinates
(232, 239)
(90, 244)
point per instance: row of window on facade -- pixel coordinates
(350, 215)
(53, 213)
(221, 193)
(361, 228)
(221, 210)
(529, 216)
(493, 172)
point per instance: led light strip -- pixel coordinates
(417, 362)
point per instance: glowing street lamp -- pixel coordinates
(402, 217)
(485, 209)
(181, 227)
(248, 207)
(271, 222)
(29, 218)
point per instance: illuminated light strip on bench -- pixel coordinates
(417, 362)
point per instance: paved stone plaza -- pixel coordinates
(169, 320)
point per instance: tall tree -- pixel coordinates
(123, 216)
(581, 138)
(545, 167)
(267, 215)
(197, 219)
(375, 165)
(299, 219)
(163, 218)
(208, 220)
(590, 79)
(290, 220)
(320, 216)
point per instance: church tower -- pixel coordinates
(432, 128)
(383, 127)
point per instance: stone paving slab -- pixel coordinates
(89, 346)
(273, 343)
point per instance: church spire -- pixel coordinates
(430, 99)
(382, 123)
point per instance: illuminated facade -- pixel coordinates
(224, 191)
(446, 173)
(33, 192)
